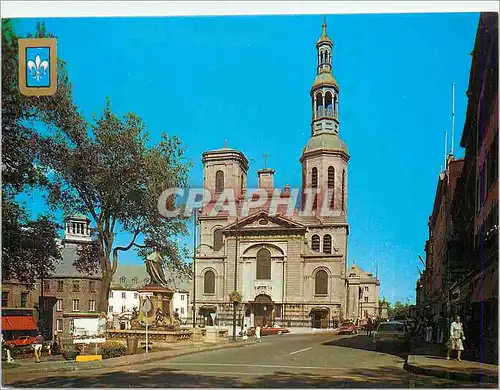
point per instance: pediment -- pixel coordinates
(262, 221)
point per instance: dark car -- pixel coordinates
(391, 336)
(348, 327)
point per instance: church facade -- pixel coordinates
(288, 268)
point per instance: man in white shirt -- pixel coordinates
(456, 338)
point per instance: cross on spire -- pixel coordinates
(225, 143)
(266, 156)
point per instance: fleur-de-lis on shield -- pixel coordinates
(38, 68)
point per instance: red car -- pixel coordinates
(21, 341)
(348, 327)
(268, 331)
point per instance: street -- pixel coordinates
(310, 360)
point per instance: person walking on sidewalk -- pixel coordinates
(38, 347)
(257, 334)
(369, 326)
(245, 333)
(456, 339)
(441, 327)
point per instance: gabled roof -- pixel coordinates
(279, 221)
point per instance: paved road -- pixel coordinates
(313, 360)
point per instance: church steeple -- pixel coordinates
(325, 90)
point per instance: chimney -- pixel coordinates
(266, 178)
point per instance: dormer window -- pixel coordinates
(123, 279)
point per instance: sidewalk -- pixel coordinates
(70, 365)
(430, 359)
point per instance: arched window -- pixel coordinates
(327, 244)
(331, 186)
(219, 181)
(263, 264)
(315, 243)
(319, 104)
(321, 283)
(123, 279)
(218, 242)
(314, 185)
(343, 190)
(135, 280)
(209, 282)
(329, 103)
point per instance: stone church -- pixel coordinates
(289, 269)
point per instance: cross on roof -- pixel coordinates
(225, 143)
(266, 156)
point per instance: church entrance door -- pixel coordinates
(320, 318)
(263, 309)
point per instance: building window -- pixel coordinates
(321, 283)
(71, 324)
(92, 286)
(124, 295)
(263, 264)
(218, 239)
(76, 285)
(182, 310)
(209, 282)
(110, 293)
(76, 305)
(219, 181)
(315, 243)
(343, 190)
(110, 309)
(182, 297)
(5, 299)
(366, 299)
(366, 313)
(59, 325)
(91, 305)
(46, 285)
(123, 309)
(24, 299)
(327, 244)
(314, 185)
(123, 279)
(60, 285)
(59, 305)
(366, 289)
(331, 186)
(135, 280)
(136, 295)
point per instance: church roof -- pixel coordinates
(324, 36)
(325, 141)
(325, 79)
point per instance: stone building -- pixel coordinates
(362, 294)
(74, 294)
(288, 267)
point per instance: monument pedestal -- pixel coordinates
(161, 298)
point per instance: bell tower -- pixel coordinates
(325, 156)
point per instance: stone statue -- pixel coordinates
(160, 318)
(134, 320)
(154, 266)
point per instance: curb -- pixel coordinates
(451, 375)
(73, 366)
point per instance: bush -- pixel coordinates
(112, 349)
(70, 352)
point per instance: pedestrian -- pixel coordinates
(38, 347)
(369, 326)
(455, 343)
(441, 327)
(257, 334)
(245, 333)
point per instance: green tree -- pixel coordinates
(111, 172)
(28, 247)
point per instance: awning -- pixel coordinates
(485, 286)
(18, 323)
(208, 308)
(320, 308)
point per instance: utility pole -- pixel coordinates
(235, 275)
(194, 267)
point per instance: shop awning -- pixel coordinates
(208, 308)
(18, 323)
(485, 286)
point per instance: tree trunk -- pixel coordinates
(105, 288)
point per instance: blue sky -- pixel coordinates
(245, 79)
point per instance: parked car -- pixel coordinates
(20, 341)
(348, 327)
(391, 335)
(269, 330)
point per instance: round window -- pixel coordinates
(263, 222)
